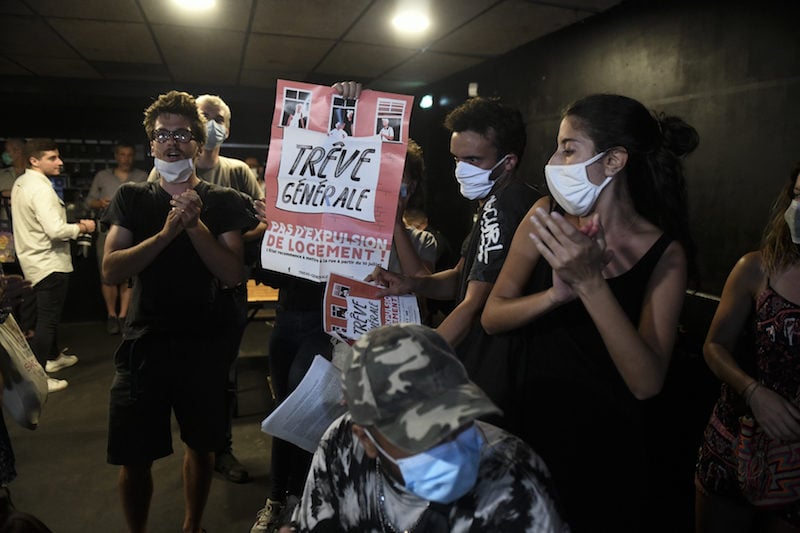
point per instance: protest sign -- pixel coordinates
(352, 307)
(332, 180)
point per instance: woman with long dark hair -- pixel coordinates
(595, 280)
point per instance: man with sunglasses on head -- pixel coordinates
(181, 239)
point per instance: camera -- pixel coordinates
(84, 242)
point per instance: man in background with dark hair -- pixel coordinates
(487, 141)
(41, 238)
(104, 186)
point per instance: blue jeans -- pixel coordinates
(51, 293)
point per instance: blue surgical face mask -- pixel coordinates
(7, 159)
(216, 134)
(475, 182)
(445, 472)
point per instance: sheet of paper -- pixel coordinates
(308, 411)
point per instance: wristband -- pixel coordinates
(748, 391)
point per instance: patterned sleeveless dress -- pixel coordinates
(777, 366)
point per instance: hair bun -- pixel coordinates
(678, 137)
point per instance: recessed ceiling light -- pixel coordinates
(196, 4)
(411, 21)
(426, 101)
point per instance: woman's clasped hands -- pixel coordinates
(576, 255)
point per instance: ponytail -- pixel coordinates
(658, 187)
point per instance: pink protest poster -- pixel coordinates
(332, 180)
(351, 307)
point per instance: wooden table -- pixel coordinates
(261, 298)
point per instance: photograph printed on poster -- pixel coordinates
(341, 291)
(296, 104)
(390, 119)
(343, 116)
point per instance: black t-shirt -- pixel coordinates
(491, 234)
(176, 291)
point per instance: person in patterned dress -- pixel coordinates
(761, 299)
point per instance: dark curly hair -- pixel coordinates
(656, 145)
(415, 163)
(177, 103)
(501, 124)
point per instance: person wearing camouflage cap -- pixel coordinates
(410, 454)
(403, 382)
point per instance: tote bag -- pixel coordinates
(25, 381)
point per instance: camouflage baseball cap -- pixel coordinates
(405, 380)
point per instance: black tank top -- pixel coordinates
(565, 345)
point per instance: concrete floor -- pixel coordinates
(64, 480)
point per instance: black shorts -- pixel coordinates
(155, 375)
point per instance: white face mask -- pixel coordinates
(475, 182)
(571, 188)
(216, 134)
(793, 220)
(175, 171)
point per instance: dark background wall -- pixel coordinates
(730, 69)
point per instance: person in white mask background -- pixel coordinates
(595, 280)
(180, 238)
(487, 142)
(237, 174)
(104, 186)
(409, 454)
(760, 382)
